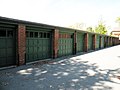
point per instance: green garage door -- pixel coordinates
(97, 41)
(105, 41)
(65, 44)
(7, 47)
(38, 45)
(90, 41)
(80, 42)
(102, 42)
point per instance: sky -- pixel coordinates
(63, 12)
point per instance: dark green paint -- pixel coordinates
(90, 41)
(102, 42)
(65, 46)
(7, 47)
(97, 41)
(80, 42)
(38, 45)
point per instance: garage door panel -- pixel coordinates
(44, 42)
(27, 42)
(40, 49)
(39, 42)
(10, 52)
(31, 57)
(97, 41)
(27, 49)
(39, 55)
(35, 49)
(65, 44)
(35, 56)
(10, 60)
(10, 42)
(7, 47)
(90, 43)
(3, 43)
(2, 61)
(30, 50)
(40, 46)
(31, 42)
(27, 57)
(35, 42)
(102, 42)
(3, 53)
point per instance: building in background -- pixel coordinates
(116, 32)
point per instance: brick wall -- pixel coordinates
(55, 42)
(94, 42)
(86, 42)
(75, 43)
(100, 42)
(21, 44)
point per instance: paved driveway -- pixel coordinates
(99, 70)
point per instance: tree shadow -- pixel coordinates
(69, 74)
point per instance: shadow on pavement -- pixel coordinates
(70, 74)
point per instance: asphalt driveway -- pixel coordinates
(99, 70)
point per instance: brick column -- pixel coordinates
(94, 42)
(55, 42)
(21, 44)
(100, 42)
(75, 43)
(86, 42)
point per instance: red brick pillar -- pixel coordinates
(55, 42)
(86, 42)
(21, 44)
(75, 43)
(94, 42)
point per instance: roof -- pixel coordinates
(116, 29)
(29, 23)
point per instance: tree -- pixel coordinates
(90, 29)
(101, 28)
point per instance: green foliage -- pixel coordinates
(100, 28)
(90, 29)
